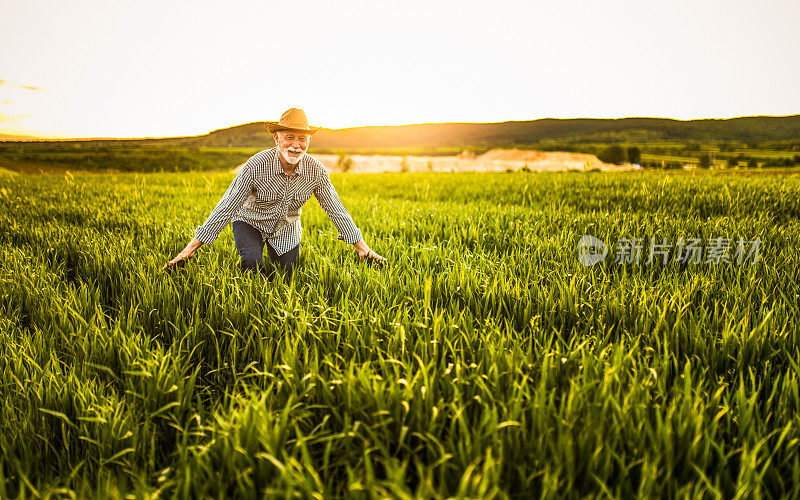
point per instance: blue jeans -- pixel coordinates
(251, 250)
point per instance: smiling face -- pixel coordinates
(292, 144)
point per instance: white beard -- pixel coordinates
(287, 157)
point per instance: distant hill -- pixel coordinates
(20, 138)
(458, 136)
(505, 134)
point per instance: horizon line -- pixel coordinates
(27, 137)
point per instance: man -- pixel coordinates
(264, 201)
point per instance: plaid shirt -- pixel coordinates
(263, 196)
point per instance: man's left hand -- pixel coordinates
(364, 252)
(372, 257)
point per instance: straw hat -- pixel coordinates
(292, 119)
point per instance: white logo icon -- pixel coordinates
(591, 250)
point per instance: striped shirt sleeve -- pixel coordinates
(329, 201)
(228, 205)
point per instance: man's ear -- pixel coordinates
(275, 137)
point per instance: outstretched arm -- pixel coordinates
(348, 232)
(228, 205)
(222, 214)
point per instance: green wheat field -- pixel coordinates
(484, 361)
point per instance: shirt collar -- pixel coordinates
(278, 169)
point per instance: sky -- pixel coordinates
(171, 68)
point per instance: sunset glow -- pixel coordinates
(146, 69)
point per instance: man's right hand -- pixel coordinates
(177, 262)
(181, 258)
